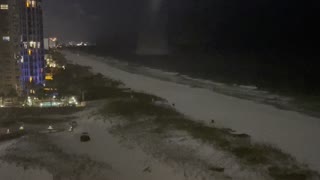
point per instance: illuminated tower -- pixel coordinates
(32, 48)
(9, 48)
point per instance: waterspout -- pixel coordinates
(153, 38)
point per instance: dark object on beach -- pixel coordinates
(217, 169)
(147, 169)
(173, 104)
(212, 121)
(241, 135)
(74, 124)
(85, 137)
(228, 130)
(9, 136)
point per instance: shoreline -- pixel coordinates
(285, 101)
(291, 131)
(144, 118)
(295, 101)
(128, 85)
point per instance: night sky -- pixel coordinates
(251, 24)
(281, 37)
(90, 19)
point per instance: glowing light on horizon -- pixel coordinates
(153, 41)
(54, 39)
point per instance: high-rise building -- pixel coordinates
(32, 48)
(9, 48)
(21, 46)
(50, 43)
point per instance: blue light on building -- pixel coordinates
(32, 49)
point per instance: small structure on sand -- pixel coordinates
(50, 128)
(85, 137)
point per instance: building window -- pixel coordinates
(28, 3)
(6, 38)
(25, 45)
(32, 44)
(4, 7)
(31, 3)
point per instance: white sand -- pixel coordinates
(293, 132)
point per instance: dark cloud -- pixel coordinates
(90, 20)
(225, 23)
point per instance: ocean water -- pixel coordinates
(279, 73)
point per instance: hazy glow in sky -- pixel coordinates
(155, 5)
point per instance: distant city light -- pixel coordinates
(4, 6)
(53, 39)
(6, 38)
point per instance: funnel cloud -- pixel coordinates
(153, 38)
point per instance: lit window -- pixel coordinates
(4, 7)
(49, 76)
(6, 38)
(28, 2)
(29, 52)
(32, 44)
(25, 45)
(33, 3)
